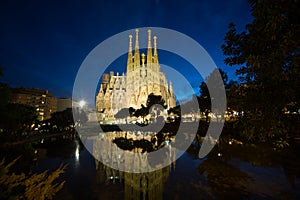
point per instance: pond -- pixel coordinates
(229, 171)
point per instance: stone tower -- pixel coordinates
(143, 77)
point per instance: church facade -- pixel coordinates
(143, 77)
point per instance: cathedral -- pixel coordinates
(143, 77)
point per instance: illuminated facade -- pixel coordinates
(143, 77)
(43, 101)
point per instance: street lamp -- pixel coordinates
(82, 103)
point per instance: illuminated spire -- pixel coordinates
(171, 88)
(136, 50)
(149, 53)
(155, 59)
(129, 60)
(130, 44)
(155, 50)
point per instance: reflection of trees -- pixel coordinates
(147, 142)
(224, 179)
(128, 150)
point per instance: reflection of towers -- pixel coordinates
(137, 185)
(146, 185)
(108, 175)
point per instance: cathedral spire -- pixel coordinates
(171, 88)
(149, 53)
(136, 50)
(155, 59)
(130, 44)
(129, 60)
(155, 50)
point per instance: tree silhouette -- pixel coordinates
(63, 120)
(17, 118)
(124, 113)
(216, 84)
(142, 112)
(155, 99)
(268, 53)
(153, 102)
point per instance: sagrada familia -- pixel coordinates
(143, 77)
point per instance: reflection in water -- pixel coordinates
(251, 171)
(224, 179)
(133, 152)
(137, 185)
(241, 171)
(147, 185)
(77, 152)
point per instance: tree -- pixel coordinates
(153, 102)
(216, 84)
(124, 113)
(142, 112)
(63, 120)
(4, 96)
(17, 117)
(268, 52)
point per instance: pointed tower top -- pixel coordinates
(136, 39)
(129, 59)
(149, 52)
(130, 43)
(136, 50)
(149, 38)
(171, 88)
(155, 47)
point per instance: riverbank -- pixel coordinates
(34, 137)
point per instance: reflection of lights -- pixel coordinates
(219, 154)
(167, 142)
(35, 152)
(77, 153)
(111, 177)
(42, 141)
(230, 142)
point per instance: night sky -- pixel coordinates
(43, 43)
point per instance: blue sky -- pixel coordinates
(43, 43)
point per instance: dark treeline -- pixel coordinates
(267, 53)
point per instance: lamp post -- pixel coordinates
(82, 103)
